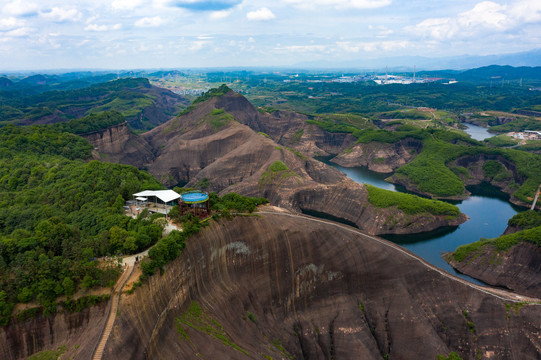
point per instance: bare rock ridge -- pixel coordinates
(118, 144)
(224, 140)
(380, 157)
(289, 287)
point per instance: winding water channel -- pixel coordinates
(488, 211)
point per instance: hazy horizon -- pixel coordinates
(159, 34)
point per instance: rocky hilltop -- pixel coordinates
(280, 286)
(224, 143)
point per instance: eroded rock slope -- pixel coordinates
(220, 141)
(274, 286)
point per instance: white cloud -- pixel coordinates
(126, 4)
(10, 23)
(60, 14)
(527, 10)
(485, 14)
(96, 27)
(20, 8)
(222, 14)
(150, 22)
(260, 14)
(251, 40)
(340, 4)
(20, 32)
(484, 17)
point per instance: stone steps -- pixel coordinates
(115, 300)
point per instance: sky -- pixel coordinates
(130, 34)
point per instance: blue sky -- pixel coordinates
(123, 34)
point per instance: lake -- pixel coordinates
(487, 208)
(477, 132)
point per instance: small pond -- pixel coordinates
(477, 132)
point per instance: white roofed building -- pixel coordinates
(157, 200)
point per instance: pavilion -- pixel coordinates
(195, 202)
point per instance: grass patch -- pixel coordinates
(277, 173)
(196, 318)
(49, 354)
(298, 153)
(464, 251)
(298, 134)
(531, 145)
(264, 134)
(409, 204)
(278, 345)
(452, 356)
(515, 308)
(218, 119)
(252, 318)
(429, 172)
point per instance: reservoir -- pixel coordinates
(477, 132)
(488, 211)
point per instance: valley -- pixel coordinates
(304, 277)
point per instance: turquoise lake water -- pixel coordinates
(488, 211)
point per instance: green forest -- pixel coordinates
(59, 213)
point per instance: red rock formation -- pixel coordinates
(275, 285)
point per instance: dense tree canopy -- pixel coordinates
(58, 213)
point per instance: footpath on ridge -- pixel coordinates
(128, 263)
(113, 309)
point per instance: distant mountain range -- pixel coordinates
(406, 63)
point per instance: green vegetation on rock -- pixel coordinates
(452, 356)
(49, 354)
(428, 171)
(215, 92)
(526, 219)
(198, 319)
(277, 173)
(409, 204)
(501, 244)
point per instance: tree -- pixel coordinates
(69, 287)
